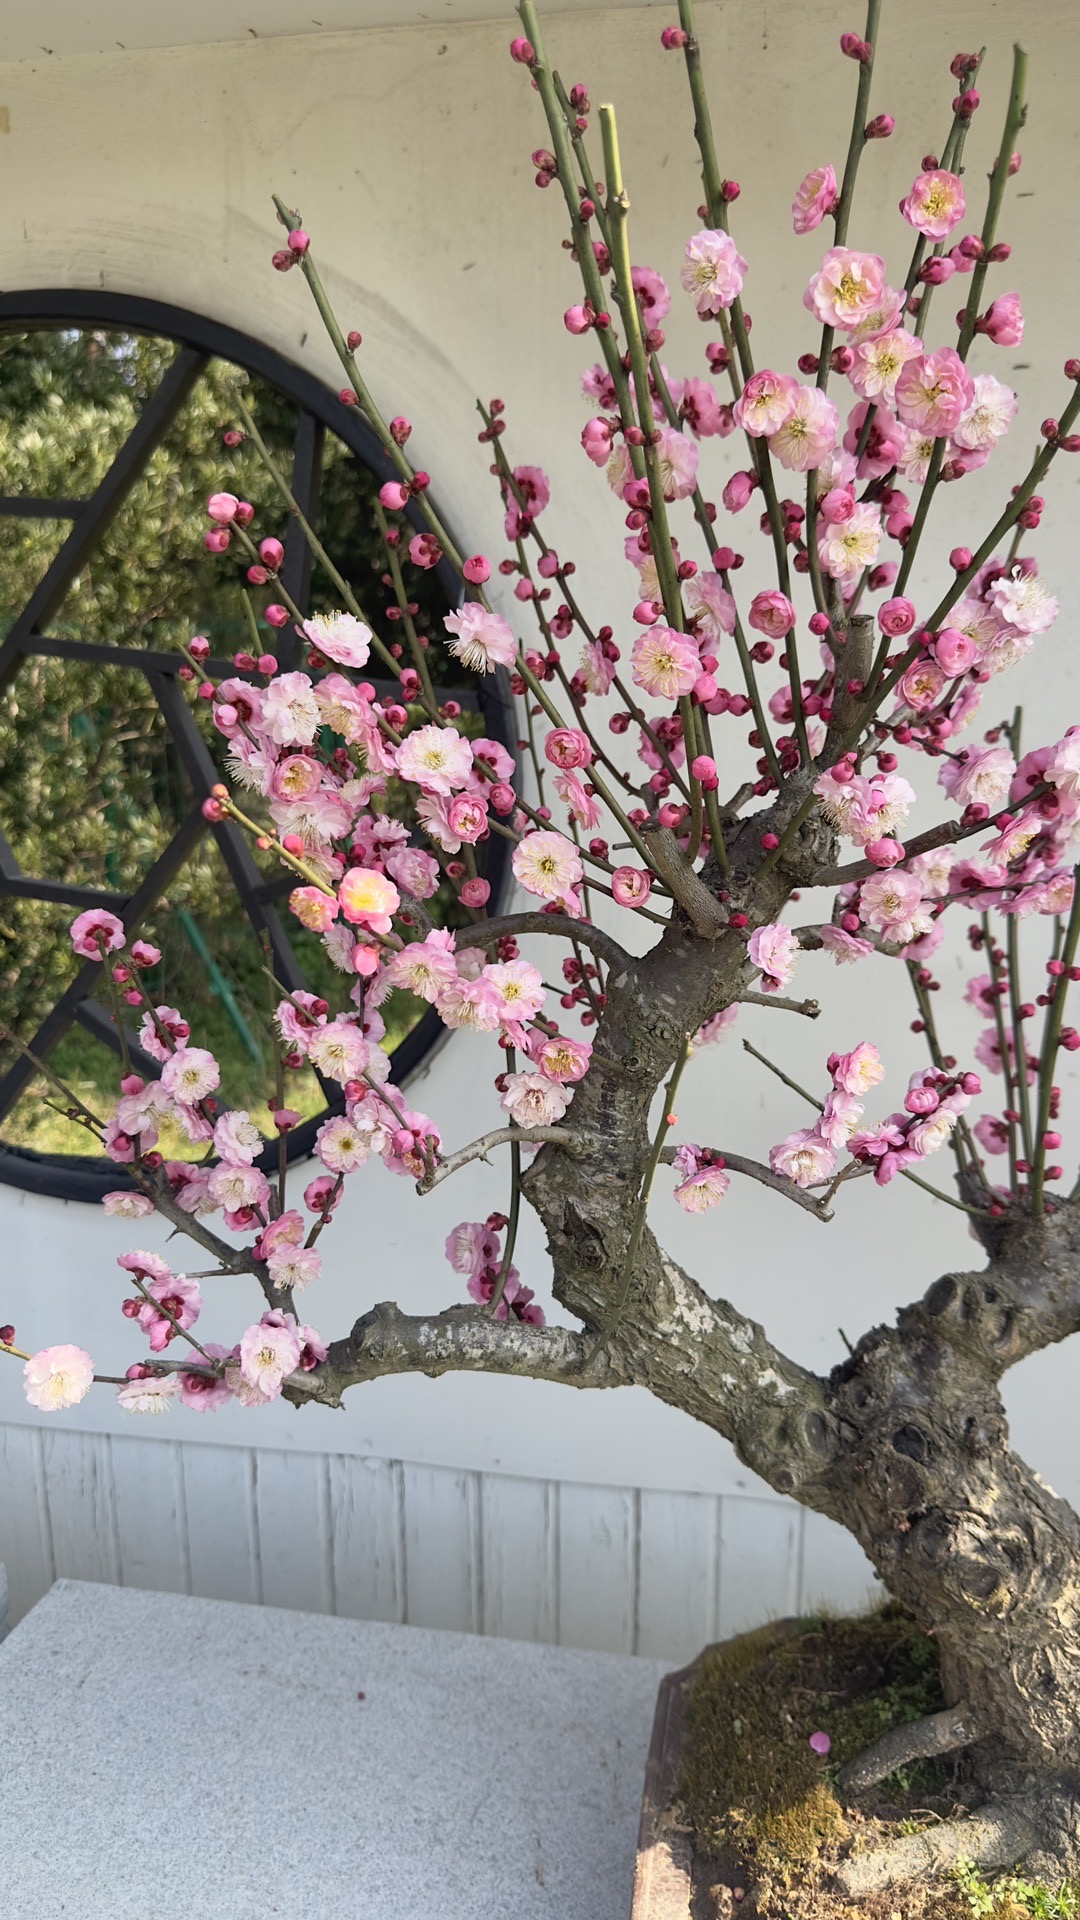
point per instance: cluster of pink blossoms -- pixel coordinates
(474, 1249)
(932, 1105)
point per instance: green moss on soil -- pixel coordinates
(750, 1780)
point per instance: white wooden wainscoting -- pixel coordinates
(620, 1569)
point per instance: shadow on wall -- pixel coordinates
(618, 1569)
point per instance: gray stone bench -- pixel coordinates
(188, 1759)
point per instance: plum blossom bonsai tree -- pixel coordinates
(619, 833)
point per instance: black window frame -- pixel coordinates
(199, 339)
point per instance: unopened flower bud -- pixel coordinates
(522, 51)
(885, 852)
(673, 38)
(703, 768)
(880, 127)
(475, 892)
(275, 615)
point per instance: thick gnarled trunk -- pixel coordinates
(906, 1444)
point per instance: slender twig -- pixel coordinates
(776, 1182)
(808, 1007)
(509, 925)
(501, 1137)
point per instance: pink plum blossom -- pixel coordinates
(236, 1137)
(471, 1246)
(190, 1075)
(236, 1187)
(845, 948)
(425, 968)
(415, 872)
(856, 1072)
(807, 433)
(989, 416)
(665, 663)
(803, 1157)
(340, 636)
(96, 931)
(559, 1057)
(290, 712)
(714, 271)
(935, 203)
(703, 1181)
(202, 1391)
(483, 640)
(435, 758)
(880, 361)
(568, 748)
(934, 393)
(183, 1302)
(678, 461)
(980, 778)
(765, 402)
(652, 294)
(891, 903)
(58, 1377)
(845, 288)
(920, 686)
(339, 1051)
(702, 411)
(771, 612)
(710, 606)
(149, 1394)
(851, 545)
(814, 199)
(268, 1354)
(368, 899)
(518, 987)
(597, 441)
(534, 1100)
(774, 949)
(293, 1266)
(737, 491)
(1003, 321)
(1023, 602)
(547, 864)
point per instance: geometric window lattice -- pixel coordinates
(111, 412)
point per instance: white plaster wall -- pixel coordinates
(408, 153)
